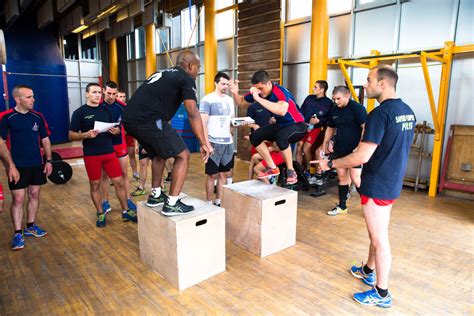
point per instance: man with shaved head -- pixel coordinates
(146, 118)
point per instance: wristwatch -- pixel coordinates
(330, 163)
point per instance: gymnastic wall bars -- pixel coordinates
(445, 57)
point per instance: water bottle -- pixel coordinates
(311, 126)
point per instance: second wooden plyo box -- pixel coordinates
(260, 217)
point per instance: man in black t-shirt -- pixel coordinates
(146, 118)
(99, 152)
(346, 120)
(384, 152)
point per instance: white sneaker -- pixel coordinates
(337, 210)
(315, 180)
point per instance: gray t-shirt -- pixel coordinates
(220, 110)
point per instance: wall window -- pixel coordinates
(89, 48)
(71, 49)
(176, 32)
(339, 6)
(372, 3)
(162, 39)
(300, 8)
(188, 34)
(140, 42)
(225, 24)
(220, 4)
(131, 46)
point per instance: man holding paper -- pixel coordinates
(99, 151)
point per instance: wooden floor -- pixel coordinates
(80, 269)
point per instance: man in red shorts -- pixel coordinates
(120, 147)
(315, 110)
(384, 152)
(99, 152)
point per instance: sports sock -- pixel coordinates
(229, 180)
(156, 192)
(343, 190)
(382, 292)
(29, 225)
(18, 232)
(172, 200)
(217, 201)
(367, 270)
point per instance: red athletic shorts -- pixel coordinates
(109, 162)
(121, 150)
(364, 199)
(311, 136)
(129, 140)
(276, 155)
(1, 193)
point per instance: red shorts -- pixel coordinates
(311, 136)
(364, 199)
(129, 140)
(1, 193)
(109, 162)
(121, 150)
(276, 155)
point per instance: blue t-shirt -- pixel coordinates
(259, 114)
(320, 106)
(83, 120)
(25, 130)
(391, 126)
(279, 93)
(347, 121)
(117, 112)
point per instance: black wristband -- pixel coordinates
(49, 160)
(330, 163)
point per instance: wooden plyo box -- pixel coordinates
(260, 217)
(185, 249)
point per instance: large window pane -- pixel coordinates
(371, 3)
(176, 31)
(89, 48)
(188, 34)
(139, 43)
(223, 4)
(225, 24)
(299, 8)
(162, 39)
(339, 6)
(71, 49)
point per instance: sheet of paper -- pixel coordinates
(237, 121)
(102, 127)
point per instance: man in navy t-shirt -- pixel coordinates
(289, 127)
(384, 152)
(259, 114)
(315, 110)
(27, 131)
(346, 120)
(120, 147)
(99, 151)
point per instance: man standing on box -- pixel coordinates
(289, 127)
(384, 152)
(217, 108)
(27, 131)
(146, 118)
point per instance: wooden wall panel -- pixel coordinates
(258, 47)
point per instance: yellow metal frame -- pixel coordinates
(438, 111)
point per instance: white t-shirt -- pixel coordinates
(220, 109)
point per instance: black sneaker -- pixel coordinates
(178, 209)
(155, 201)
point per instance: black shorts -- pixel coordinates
(157, 137)
(337, 155)
(222, 160)
(282, 135)
(143, 155)
(29, 176)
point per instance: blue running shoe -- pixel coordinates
(18, 242)
(101, 220)
(34, 231)
(106, 207)
(368, 279)
(131, 205)
(372, 298)
(129, 215)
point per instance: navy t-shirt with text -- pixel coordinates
(391, 126)
(320, 107)
(83, 120)
(347, 121)
(25, 130)
(117, 113)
